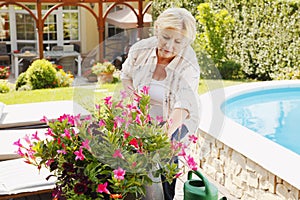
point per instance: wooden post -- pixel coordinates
(140, 19)
(101, 28)
(40, 26)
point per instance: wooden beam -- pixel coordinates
(40, 27)
(69, 1)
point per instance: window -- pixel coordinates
(4, 27)
(50, 28)
(70, 23)
(25, 27)
(19, 28)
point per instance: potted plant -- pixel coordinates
(91, 77)
(104, 71)
(4, 72)
(108, 155)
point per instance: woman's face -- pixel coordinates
(170, 42)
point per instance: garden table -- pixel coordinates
(18, 57)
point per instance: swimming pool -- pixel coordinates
(272, 113)
(262, 148)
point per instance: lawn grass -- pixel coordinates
(71, 93)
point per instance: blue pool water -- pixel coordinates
(273, 113)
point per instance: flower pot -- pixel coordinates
(105, 78)
(92, 78)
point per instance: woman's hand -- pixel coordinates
(175, 121)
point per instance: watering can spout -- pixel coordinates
(199, 189)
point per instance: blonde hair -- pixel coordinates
(179, 19)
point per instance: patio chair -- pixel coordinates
(26, 62)
(68, 63)
(18, 116)
(23, 180)
(27, 48)
(57, 48)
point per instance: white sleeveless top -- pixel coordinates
(156, 93)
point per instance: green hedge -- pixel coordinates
(265, 39)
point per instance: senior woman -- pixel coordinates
(168, 65)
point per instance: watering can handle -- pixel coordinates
(205, 181)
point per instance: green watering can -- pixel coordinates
(199, 189)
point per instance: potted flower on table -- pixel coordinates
(110, 155)
(104, 71)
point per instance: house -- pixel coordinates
(109, 26)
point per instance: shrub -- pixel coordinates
(231, 70)
(42, 74)
(4, 87)
(22, 80)
(216, 25)
(64, 79)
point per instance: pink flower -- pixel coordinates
(49, 132)
(79, 155)
(191, 163)
(103, 188)
(61, 151)
(48, 163)
(118, 153)
(27, 140)
(137, 97)
(18, 143)
(108, 101)
(126, 134)
(182, 153)
(85, 144)
(35, 136)
(159, 119)
(97, 106)
(145, 90)
(148, 119)
(138, 119)
(102, 123)
(45, 120)
(119, 173)
(66, 134)
(118, 122)
(193, 138)
(31, 153)
(134, 143)
(119, 105)
(88, 117)
(20, 153)
(178, 175)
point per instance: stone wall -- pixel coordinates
(243, 178)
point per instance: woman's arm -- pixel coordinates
(128, 86)
(175, 120)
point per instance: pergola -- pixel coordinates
(99, 15)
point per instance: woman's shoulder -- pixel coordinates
(190, 58)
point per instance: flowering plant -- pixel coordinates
(105, 67)
(4, 72)
(110, 154)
